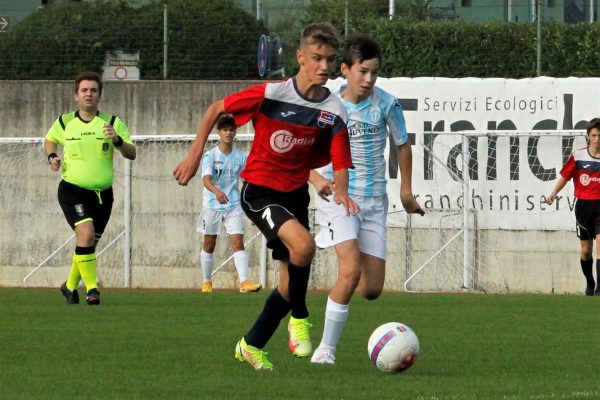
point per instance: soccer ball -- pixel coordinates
(393, 347)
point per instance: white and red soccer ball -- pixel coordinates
(393, 347)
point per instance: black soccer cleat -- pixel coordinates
(589, 290)
(71, 296)
(597, 291)
(93, 297)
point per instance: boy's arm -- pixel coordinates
(557, 188)
(409, 202)
(208, 183)
(187, 167)
(323, 187)
(340, 194)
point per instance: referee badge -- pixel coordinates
(79, 209)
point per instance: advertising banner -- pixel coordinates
(509, 175)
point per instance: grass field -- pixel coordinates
(179, 345)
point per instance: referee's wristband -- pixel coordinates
(51, 156)
(119, 141)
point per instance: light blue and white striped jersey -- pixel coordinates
(369, 124)
(225, 172)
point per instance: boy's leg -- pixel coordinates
(335, 319)
(240, 259)
(586, 268)
(250, 347)
(301, 247)
(275, 309)
(209, 225)
(206, 264)
(234, 226)
(597, 291)
(283, 219)
(337, 310)
(587, 263)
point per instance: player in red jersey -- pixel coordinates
(298, 126)
(583, 167)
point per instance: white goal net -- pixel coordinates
(505, 240)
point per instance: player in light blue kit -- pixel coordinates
(221, 167)
(361, 240)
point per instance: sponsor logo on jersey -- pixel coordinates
(283, 141)
(585, 179)
(287, 114)
(325, 118)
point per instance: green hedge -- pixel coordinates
(214, 39)
(207, 40)
(506, 50)
(455, 49)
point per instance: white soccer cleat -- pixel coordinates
(321, 356)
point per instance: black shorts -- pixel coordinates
(587, 214)
(81, 205)
(268, 209)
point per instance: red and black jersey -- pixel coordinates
(292, 134)
(585, 171)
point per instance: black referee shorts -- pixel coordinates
(268, 209)
(81, 205)
(587, 214)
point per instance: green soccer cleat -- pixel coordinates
(253, 356)
(299, 337)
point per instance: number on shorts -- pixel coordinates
(266, 215)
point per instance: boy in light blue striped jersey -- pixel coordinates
(221, 167)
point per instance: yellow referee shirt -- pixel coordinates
(87, 153)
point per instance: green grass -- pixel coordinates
(179, 345)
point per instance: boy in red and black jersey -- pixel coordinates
(583, 166)
(299, 125)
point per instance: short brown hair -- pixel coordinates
(88, 76)
(360, 47)
(320, 33)
(594, 123)
(225, 120)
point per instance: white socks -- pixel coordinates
(240, 259)
(206, 263)
(335, 320)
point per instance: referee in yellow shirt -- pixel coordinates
(89, 139)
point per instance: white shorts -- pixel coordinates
(369, 226)
(211, 221)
